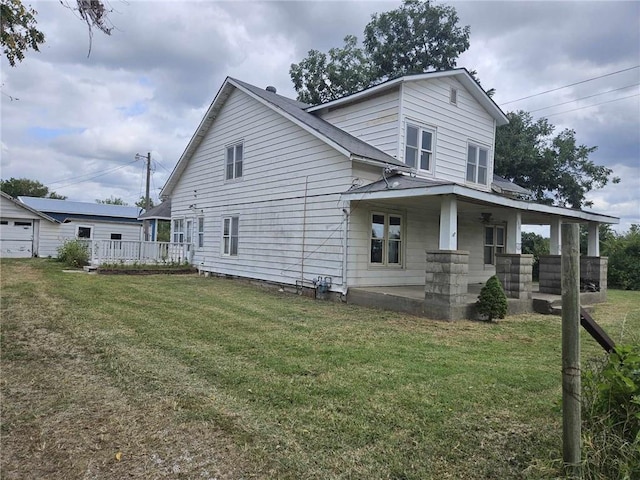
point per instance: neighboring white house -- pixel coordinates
(70, 220)
(391, 186)
(19, 228)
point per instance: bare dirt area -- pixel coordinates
(62, 418)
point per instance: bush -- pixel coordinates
(74, 253)
(611, 416)
(492, 301)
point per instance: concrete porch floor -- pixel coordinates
(410, 299)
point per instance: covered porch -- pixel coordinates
(451, 239)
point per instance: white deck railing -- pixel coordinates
(129, 252)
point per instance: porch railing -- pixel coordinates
(129, 252)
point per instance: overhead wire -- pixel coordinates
(90, 175)
(584, 98)
(594, 105)
(571, 85)
(93, 177)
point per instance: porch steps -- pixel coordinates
(554, 307)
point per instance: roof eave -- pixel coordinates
(466, 192)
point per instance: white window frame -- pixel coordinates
(230, 160)
(177, 234)
(475, 164)
(418, 148)
(188, 231)
(228, 235)
(386, 240)
(200, 223)
(90, 227)
(495, 245)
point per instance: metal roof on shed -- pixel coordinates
(50, 205)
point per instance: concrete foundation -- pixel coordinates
(446, 284)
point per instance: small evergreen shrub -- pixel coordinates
(492, 301)
(74, 253)
(611, 416)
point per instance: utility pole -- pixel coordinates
(147, 199)
(571, 385)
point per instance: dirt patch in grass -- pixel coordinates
(62, 418)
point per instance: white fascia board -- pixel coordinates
(381, 164)
(23, 205)
(294, 120)
(465, 192)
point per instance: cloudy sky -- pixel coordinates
(75, 122)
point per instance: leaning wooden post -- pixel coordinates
(571, 393)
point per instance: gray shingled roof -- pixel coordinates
(294, 108)
(398, 182)
(503, 185)
(162, 211)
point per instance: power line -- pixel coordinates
(594, 105)
(571, 84)
(584, 98)
(96, 176)
(88, 174)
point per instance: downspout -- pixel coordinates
(304, 229)
(344, 288)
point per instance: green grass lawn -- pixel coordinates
(290, 387)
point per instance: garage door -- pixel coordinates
(16, 238)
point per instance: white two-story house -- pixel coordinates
(389, 187)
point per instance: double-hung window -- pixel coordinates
(477, 164)
(200, 232)
(178, 230)
(233, 161)
(494, 240)
(386, 239)
(230, 236)
(418, 151)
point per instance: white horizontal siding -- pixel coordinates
(426, 103)
(281, 162)
(53, 235)
(374, 120)
(9, 209)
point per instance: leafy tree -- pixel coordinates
(535, 245)
(27, 188)
(142, 202)
(492, 301)
(19, 31)
(623, 270)
(554, 168)
(112, 201)
(320, 77)
(416, 37)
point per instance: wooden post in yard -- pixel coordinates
(571, 394)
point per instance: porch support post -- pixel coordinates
(593, 249)
(448, 223)
(555, 243)
(514, 233)
(446, 284)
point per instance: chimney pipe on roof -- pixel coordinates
(271, 89)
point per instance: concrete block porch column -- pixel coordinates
(593, 273)
(446, 284)
(515, 272)
(550, 274)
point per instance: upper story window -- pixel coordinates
(477, 164)
(233, 161)
(453, 96)
(418, 151)
(386, 239)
